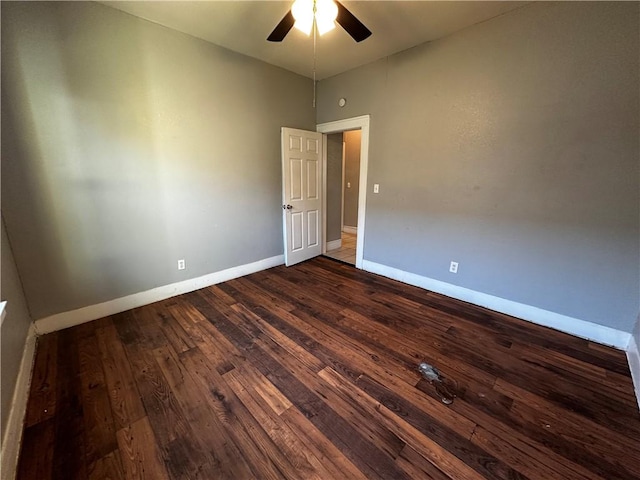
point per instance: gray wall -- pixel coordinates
(127, 146)
(352, 143)
(14, 327)
(512, 148)
(334, 186)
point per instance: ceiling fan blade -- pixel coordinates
(351, 24)
(282, 28)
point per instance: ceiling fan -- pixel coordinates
(303, 13)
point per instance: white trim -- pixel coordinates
(334, 244)
(633, 356)
(93, 312)
(284, 195)
(343, 168)
(362, 123)
(350, 229)
(15, 421)
(580, 328)
(324, 194)
(3, 310)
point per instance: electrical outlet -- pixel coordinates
(181, 265)
(453, 268)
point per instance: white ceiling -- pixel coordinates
(243, 26)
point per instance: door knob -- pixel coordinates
(287, 207)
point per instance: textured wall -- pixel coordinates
(127, 146)
(512, 148)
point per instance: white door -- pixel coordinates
(301, 194)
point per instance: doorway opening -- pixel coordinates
(343, 181)
(345, 187)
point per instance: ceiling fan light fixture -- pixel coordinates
(326, 14)
(302, 11)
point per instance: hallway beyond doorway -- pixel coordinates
(347, 251)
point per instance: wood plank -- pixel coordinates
(492, 410)
(553, 378)
(181, 452)
(123, 391)
(226, 456)
(187, 317)
(108, 467)
(272, 397)
(579, 438)
(416, 350)
(238, 426)
(524, 460)
(99, 427)
(148, 322)
(186, 454)
(302, 463)
(263, 296)
(425, 446)
(139, 452)
(442, 433)
(36, 456)
(69, 448)
(178, 338)
(127, 328)
(419, 467)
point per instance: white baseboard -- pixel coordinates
(633, 356)
(15, 421)
(574, 326)
(334, 244)
(93, 312)
(349, 229)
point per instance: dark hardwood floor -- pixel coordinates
(310, 372)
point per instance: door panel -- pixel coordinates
(312, 180)
(296, 231)
(296, 178)
(312, 228)
(302, 202)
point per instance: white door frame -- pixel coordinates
(355, 123)
(344, 164)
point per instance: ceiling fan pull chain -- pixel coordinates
(315, 29)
